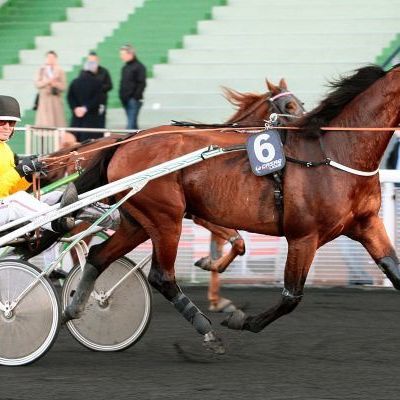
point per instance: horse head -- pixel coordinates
(254, 109)
(283, 101)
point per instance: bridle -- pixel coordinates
(277, 104)
(279, 101)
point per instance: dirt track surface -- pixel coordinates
(338, 344)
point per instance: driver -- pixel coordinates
(15, 179)
(15, 202)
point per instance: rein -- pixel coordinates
(55, 160)
(308, 164)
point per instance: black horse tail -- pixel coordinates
(95, 174)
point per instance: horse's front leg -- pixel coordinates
(371, 233)
(300, 256)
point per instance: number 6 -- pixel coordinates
(260, 147)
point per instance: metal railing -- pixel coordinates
(46, 140)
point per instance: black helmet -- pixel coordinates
(9, 109)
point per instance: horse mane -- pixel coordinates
(344, 89)
(242, 101)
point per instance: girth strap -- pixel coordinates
(278, 197)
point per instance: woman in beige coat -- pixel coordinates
(51, 83)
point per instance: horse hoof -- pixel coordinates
(235, 320)
(204, 263)
(213, 343)
(65, 317)
(68, 315)
(223, 305)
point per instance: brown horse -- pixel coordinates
(252, 110)
(320, 202)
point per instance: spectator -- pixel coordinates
(104, 77)
(84, 99)
(132, 84)
(51, 83)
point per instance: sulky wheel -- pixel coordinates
(115, 322)
(28, 326)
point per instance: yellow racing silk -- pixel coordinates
(10, 181)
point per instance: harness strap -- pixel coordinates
(278, 197)
(334, 164)
(308, 164)
(352, 170)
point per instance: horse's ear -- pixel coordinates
(271, 87)
(283, 84)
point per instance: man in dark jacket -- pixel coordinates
(84, 98)
(132, 84)
(104, 77)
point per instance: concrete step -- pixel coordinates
(304, 25)
(217, 114)
(338, 54)
(277, 4)
(161, 100)
(204, 85)
(23, 90)
(116, 118)
(156, 101)
(232, 40)
(347, 11)
(98, 11)
(97, 29)
(25, 71)
(213, 85)
(59, 43)
(65, 56)
(255, 69)
(106, 3)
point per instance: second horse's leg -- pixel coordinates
(217, 303)
(230, 235)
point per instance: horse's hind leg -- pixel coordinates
(162, 278)
(99, 258)
(300, 256)
(371, 233)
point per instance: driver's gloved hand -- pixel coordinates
(29, 165)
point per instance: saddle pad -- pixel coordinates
(265, 152)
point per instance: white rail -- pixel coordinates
(45, 140)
